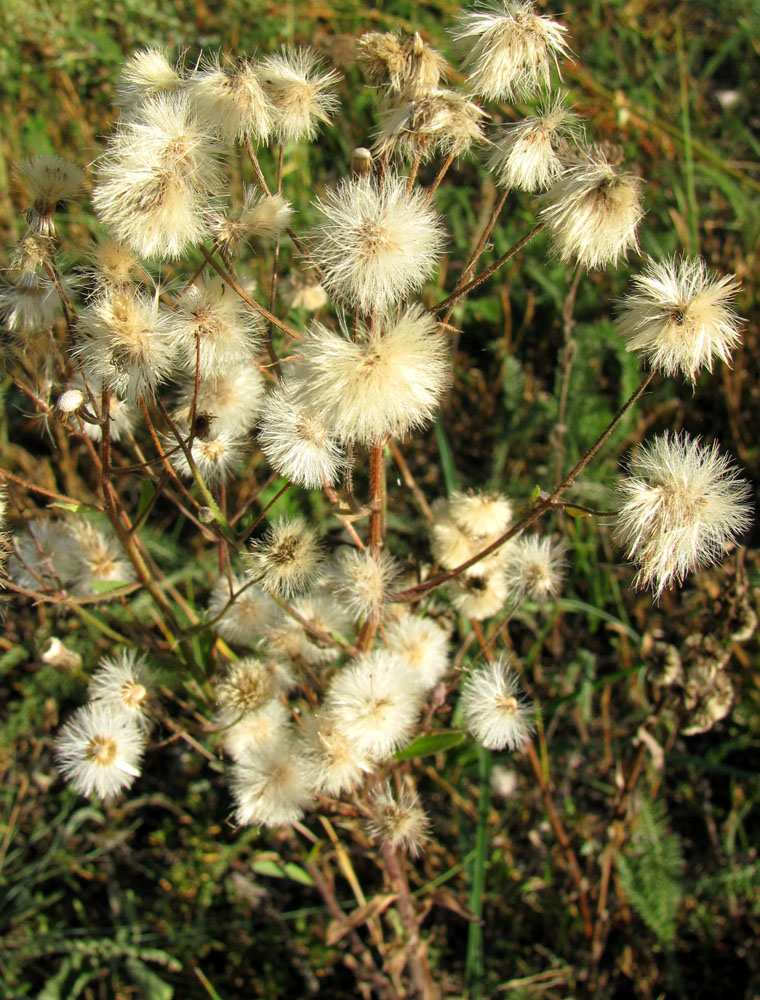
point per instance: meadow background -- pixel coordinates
(159, 896)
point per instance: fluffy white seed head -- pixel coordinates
(399, 820)
(374, 703)
(51, 182)
(159, 178)
(30, 303)
(527, 156)
(286, 638)
(534, 568)
(271, 786)
(246, 687)
(680, 317)
(123, 414)
(231, 399)
(257, 732)
(261, 215)
(287, 558)
(424, 647)
(480, 515)
(121, 683)
(361, 580)
(681, 508)
(145, 74)
(593, 212)
(127, 341)
(112, 266)
(494, 712)
(300, 291)
(246, 619)
(386, 383)
(218, 454)
(99, 750)
(44, 556)
(102, 559)
(335, 765)
(404, 66)
(302, 93)
(480, 591)
(442, 122)
(297, 444)
(376, 242)
(508, 49)
(231, 99)
(213, 327)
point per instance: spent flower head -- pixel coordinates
(528, 154)
(494, 712)
(682, 506)
(302, 93)
(99, 750)
(680, 316)
(121, 683)
(286, 560)
(399, 820)
(407, 66)
(51, 182)
(231, 99)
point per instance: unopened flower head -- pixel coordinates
(374, 703)
(527, 156)
(593, 212)
(680, 317)
(399, 820)
(297, 444)
(534, 568)
(127, 342)
(51, 182)
(377, 243)
(682, 507)
(441, 122)
(99, 750)
(385, 383)
(145, 74)
(301, 91)
(246, 687)
(271, 786)
(509, 49)
(407, 66)
(246, 617)
(494, 712)
(261, 215)
(286, 560)
(213, 327)
(362, 580)
(159, 177)
(424, 646)
(231, 99)
(121, 683)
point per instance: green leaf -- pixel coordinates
(150, 985)
(430, 743)
(450, 476)
(273, 869)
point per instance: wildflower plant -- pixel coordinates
(180, 380)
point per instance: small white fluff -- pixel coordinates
(494, 712)
(99, 750)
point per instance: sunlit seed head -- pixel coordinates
(384, 383)
(442, 122)
(233, 398)
(287, 638)
(44, 556)
(146, 74)
(300, 291)
(480, 515)
(30, 303)
(260, 216)
(407, 66)
(527, 155)
(102, 559)
(301, 91)
(423, 645)
(361, 580)
(112, 267)
(249, 612)
(593, 212)
(680, 316)
(123, 414)
(376, 242)
(479, 592)
(335, 765)
(99, 750)
(682, 507)
(271, 786)
(218, 455)
(230, 97)
(494, 711)
(508, 49)
(534, 568)
(51, 183)
(122, 684)
(286, 560)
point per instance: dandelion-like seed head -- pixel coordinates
(480, 515)
(385, 383)
(528, 154)
(494, 711)
(399, 820)
(423, 645)
(301, 92)
(145, 74)
(261, 215)
(102, 558)
(213, 327)
(99, 750)
(407, 66)
(680, 316)
(51, 182)
(377, 243)
(246, 687)
(286, 637)
(681, 508)
(336, 766)
(121, 683)
(246, 617)
(287, 559)
(534, 568)
(440, 122)
(112, 266)
(233, 398)
(361, 580)
(593, 211)
(44, 556)
(257, 731)
(231, 99)
(480, 591)
(217, 455)
(271, 786)
(508, 49)
(29, 302)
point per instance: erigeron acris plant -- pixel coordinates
(337, 656)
